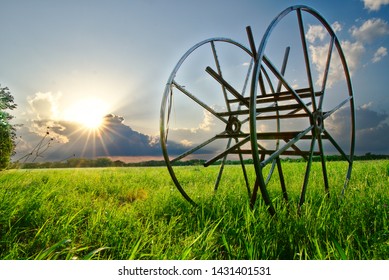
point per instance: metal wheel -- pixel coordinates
(311, 97)
(204, 116)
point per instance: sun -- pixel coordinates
(87, 112)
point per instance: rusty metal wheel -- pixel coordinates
(311, 97)
(204, 114)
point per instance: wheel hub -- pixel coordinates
(318, 122)
(233, 125)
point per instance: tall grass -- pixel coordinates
(137, 213)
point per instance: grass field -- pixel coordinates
(137, 213)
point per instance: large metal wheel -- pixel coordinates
(311, 98)
(203, 110)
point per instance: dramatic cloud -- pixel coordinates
(114, 139)
(370, 30)
(375, 5)
(372, 129)
(379, 54)
(44, 106)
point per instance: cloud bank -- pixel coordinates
(375, 5)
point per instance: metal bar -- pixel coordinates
(191, 151)
(282, 181)
(285, 147)
(220, 73)
(233, 113)
(340, 150)
(264, 110)
(306, 176)
(269, 152)
(261, 84)
(287, 116)
(298, 109)
(298, 150)
(219, 175)
(323, 163)
(329, 113)
(220, 79)
(227, 151)
(268, 135)
(251, 41)
(279, 108)
(282, 96)
(170, 104)
(325, 77)
(286, 84)
(283, 67)
(244, 173)
(245, 81)
(306, 57)
(198, 101)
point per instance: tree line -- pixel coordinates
(107, 162)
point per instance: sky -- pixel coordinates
(70, 64)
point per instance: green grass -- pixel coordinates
(137, 213)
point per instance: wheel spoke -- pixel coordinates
(282, 181)
(266, 198)
(191, 151)
(326, 70)
(281, 78)
(247, 78)
(323, 163)
(307, 172)
(244, 173)
(217, 62)
(271, 169)
(230, 88)
(170, 104)
(283, 67)
(198, 101)
(285, 147)
(306, 57)
(227, 151)
(336, 145)
(340, 105)
(219, 175)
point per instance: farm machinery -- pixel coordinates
(289, 98)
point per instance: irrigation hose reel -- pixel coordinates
(291, 98)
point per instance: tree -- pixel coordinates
(7, 131)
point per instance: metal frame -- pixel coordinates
(306, 106)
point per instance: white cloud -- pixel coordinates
(374, 5)
(186, 143)
(366, 106)
(44, 106)
(379, 54)
(315, 32)
(318, 32)
(353, 53)
(370, 30)
(336, 26)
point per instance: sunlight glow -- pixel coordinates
(88, 113)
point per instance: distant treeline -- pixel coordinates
(106, 162)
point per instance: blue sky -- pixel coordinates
(57, 56)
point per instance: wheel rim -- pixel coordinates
(318, 107)
(232, 119)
